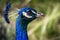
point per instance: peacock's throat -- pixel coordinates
(21, 29)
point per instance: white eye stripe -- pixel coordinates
(33, 11)
(37, 15)
(25, 14)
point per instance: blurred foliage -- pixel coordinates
(47, 28)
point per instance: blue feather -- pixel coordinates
(21, 31)
(6, 12)
(21, 25)
(25, 9)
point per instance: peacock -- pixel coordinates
(25, 16)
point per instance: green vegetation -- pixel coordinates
(46, 28)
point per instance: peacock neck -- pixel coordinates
(21, 29)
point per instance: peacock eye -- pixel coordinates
(29, 13)
(33, 11)
(26, 15)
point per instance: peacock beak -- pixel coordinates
(39, 14)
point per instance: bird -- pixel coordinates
(25, 16)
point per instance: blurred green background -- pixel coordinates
(45, 28)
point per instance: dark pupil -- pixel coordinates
(29, 13)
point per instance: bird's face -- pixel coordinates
(30, 15)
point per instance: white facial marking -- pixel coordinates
(25, 14)
(33, 11)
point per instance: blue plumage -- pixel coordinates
(25, 16)
(21, 31)
(6, 12)
(21, 25)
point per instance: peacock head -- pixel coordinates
(30, 14)
(26, 14)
